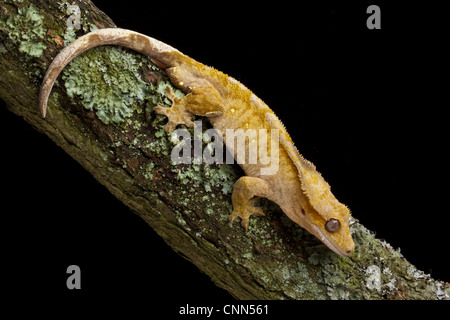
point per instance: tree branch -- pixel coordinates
(126, 149)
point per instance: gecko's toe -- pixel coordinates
(233, 215)
(170, 126)
(244, 219)
(188, 122)
(245, 213)
(176, 116)
(244, 223)
(257, 211)
(160, 110)
(171, 94)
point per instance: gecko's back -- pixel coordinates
(244, 111)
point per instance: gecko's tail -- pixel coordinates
(110, 36)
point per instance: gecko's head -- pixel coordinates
(331, 227)
(322, 214)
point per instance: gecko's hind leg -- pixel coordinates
(203, 99)
(245, 193)
(177, 114)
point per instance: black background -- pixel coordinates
(365, 106)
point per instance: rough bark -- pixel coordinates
(128, 152)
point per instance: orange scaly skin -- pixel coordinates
(296, 187)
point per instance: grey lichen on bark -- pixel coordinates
(100, 112)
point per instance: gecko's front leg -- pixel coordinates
(202, 100)
(245, 193)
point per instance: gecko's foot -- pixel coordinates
(177, 114)
(175, 117)
(245, 211)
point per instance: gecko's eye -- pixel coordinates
(332, 225)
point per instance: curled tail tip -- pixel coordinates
(43, 111)
(42, 105)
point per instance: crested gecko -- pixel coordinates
(297, 187)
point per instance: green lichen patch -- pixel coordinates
(2, 49)
(106, 79)
(381, 269)
(206, 176)
(209, 177)
(337, 274)
(69, 36)
(26, 29)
